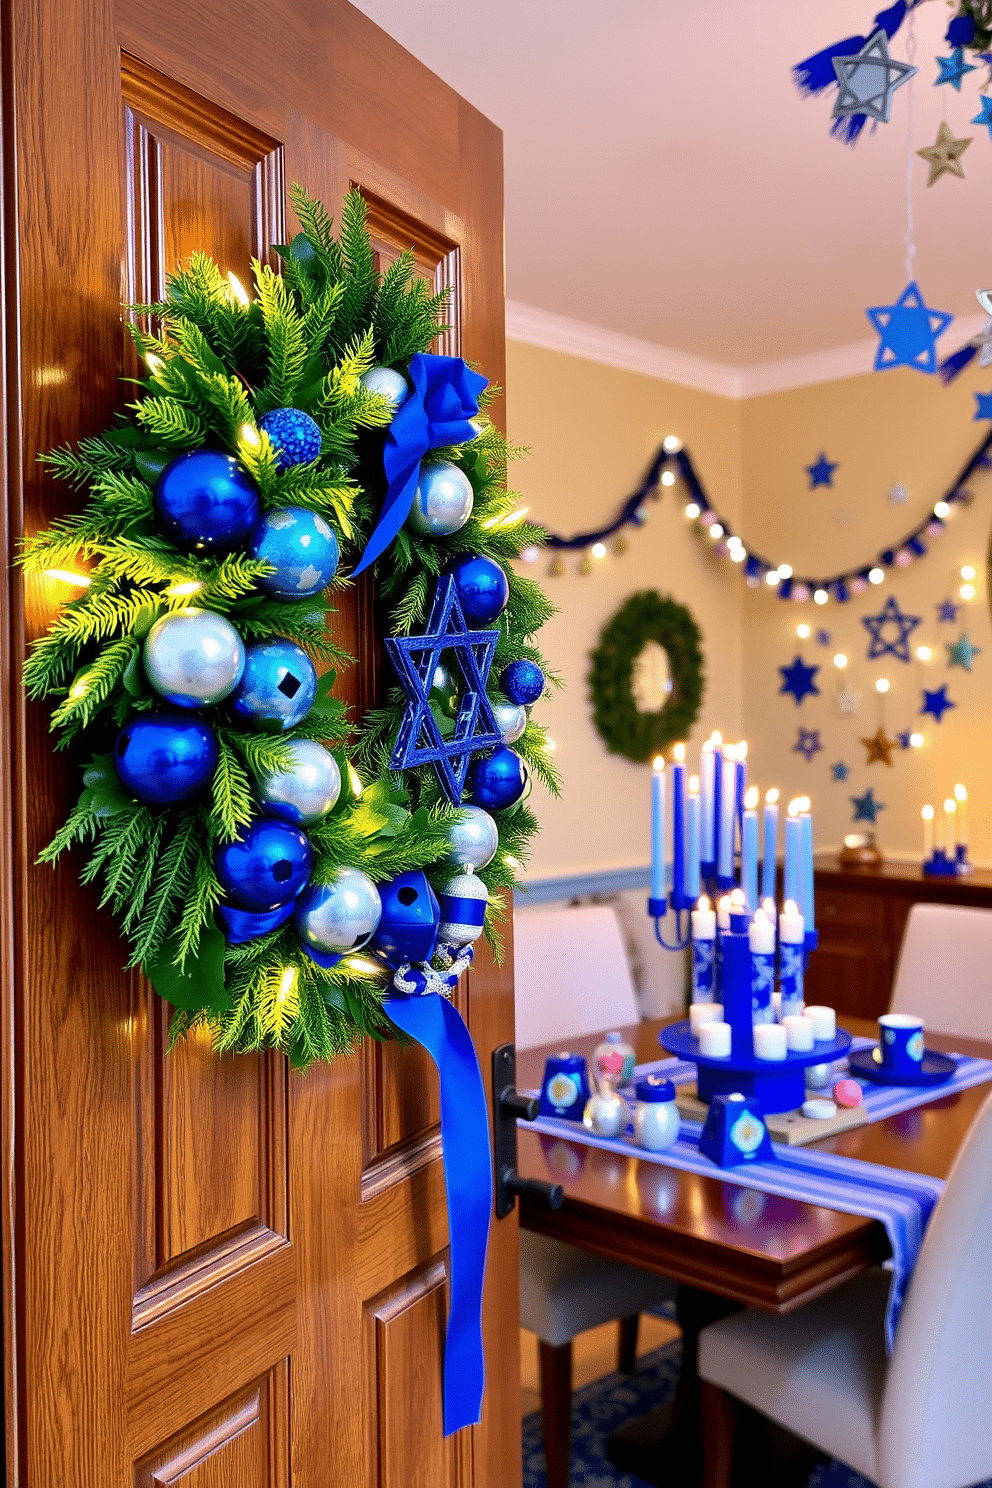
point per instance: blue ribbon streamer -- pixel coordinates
(438, 413)
(439, 1028)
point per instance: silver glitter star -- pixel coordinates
(869, 79)
(848, 701)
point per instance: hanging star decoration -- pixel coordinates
(905, 739)
(944, 155)
(879, 747)
(807, 744)
(908, 331)
(961, 652)
(823, 638)
(890, 614)
(984, 116)
(937, 702)
(983, 407)
(848, 701)
(821, 472)
(866, 808)
(869, 79)
(953, 69)
(799, 680)
(416, 659)
(947, 612)
(839, 771)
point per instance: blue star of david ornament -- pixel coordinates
(947, 612)
(866, 808)
(985, 114)
(962, 653)
(821, 472)
(839, 771)
(807, 744)
(416, 659)
(983, 407)
(890, 614)
(869, 79)
(937, 702)
(953, 69)
(908, 331)
(799, 680)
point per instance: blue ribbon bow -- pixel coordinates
(438, 1027)
(438, 413)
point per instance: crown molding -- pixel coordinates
(595, 344)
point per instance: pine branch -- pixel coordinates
(232, 806)
(169, 889)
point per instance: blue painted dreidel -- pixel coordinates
(565, 1088)
(735, 1132)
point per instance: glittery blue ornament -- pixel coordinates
(301, 548)
(294, 436)
(206, 502)
(482, 587)
(522, 681)
(266, 865)
(443, 500)
(340, 916)
(410, 918)
(240, 925)
(278, 686)
(388, 384)
(165, 757)
(497, 779)
(306, 791)
(193, 658)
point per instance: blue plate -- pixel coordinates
(934, 1069)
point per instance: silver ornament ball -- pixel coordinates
(474, 839)
(818, 1076)
(511, 720)
(306, 791)
(193, 658)
(605, 1114)
(340, 916)
(388, 384)
(443, 502)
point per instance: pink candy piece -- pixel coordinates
(848, 1093)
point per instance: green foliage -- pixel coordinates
(647, 616)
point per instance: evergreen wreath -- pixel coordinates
(647, 616)
(218, 363)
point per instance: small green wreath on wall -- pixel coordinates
(646, 678)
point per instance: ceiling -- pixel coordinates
(666, 181)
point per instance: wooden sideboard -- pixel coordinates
(861, 918)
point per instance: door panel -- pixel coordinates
(215, 1272)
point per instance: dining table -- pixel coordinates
(724, 1243)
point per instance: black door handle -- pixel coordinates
(508, 1105)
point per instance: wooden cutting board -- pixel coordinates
(790, 1127)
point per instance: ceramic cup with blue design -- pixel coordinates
(901, 1043)
(565, 1088)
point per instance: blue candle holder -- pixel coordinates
(941, 866)
(964, 865)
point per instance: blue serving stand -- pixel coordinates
(934, 1069)
(776, 1084)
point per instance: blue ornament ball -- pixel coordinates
(522, 681)
(302, 549)
(165, 757)
(497, 779)
(294, 436)
(265, 867)
(340, 916)
(388, 384)
(277, 688)
(240, 925)
(443, 500)
(410, 918)
(482, 586)
(305, 792)
(206, 502)
(193, 658)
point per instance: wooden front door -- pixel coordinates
(216, 1274)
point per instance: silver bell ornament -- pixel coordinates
(443, 501)
(306, 791)
(388, 384)
(340, 916)
(193, 658)
(463, 902)
(474, 839)
(511, 720)
(605, 1113)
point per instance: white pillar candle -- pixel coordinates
(769, 1041)
(701, 1013)
(927, 815)
(776, 1004)
(761, 934)
(824, 1021)
(798, 1033)
(714, 1040)
(961, 796)
(723, 912)
(703, 920)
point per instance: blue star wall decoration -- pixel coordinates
(908, 331)
(905, 739)
(807, 744)
(866, 808)
(839, 771)
(416, 659)
(953, 69)
(961, 652)
(823, 638)
(869, 79)
(821, 472)
(947, 612)
(890, 614)
(983, 407)
(984, 116)
(799, 680)
(937, 702)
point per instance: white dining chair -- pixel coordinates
(572, 979)
(944, 974)
(922, 1419)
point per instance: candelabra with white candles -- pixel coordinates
(945, 837)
